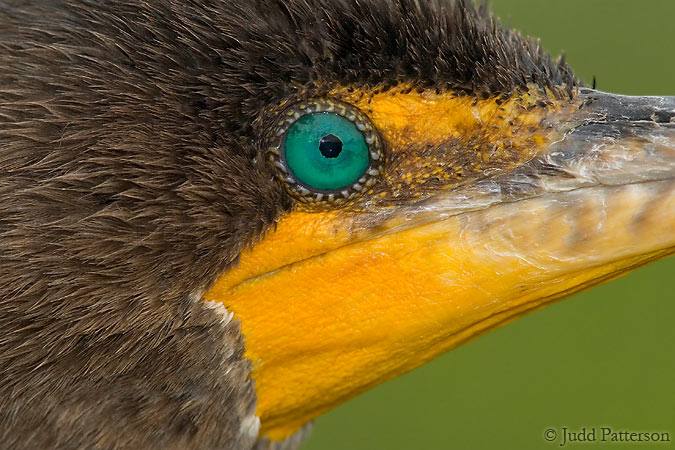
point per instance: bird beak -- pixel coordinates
(334, 303)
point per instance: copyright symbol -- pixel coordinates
(550, 434)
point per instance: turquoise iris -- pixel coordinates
(326, 151)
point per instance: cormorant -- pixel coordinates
(220, 219)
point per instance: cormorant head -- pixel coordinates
(493, 183)
(364, 185)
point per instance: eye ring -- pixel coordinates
(303, 191)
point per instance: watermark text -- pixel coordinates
(565, 436)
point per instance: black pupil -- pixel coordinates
(330, 146)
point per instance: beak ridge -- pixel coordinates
(621, 140)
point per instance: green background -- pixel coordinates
(601, 358)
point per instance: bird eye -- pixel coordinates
(327, 152)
